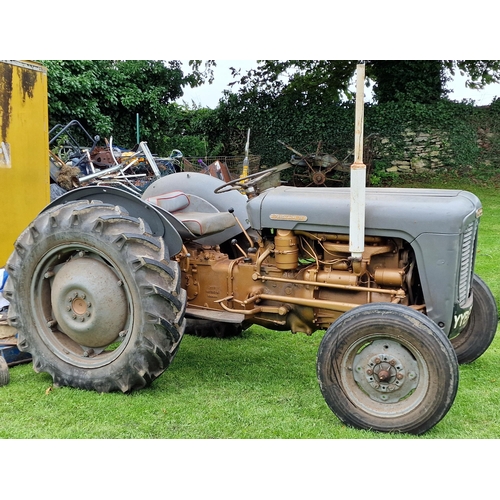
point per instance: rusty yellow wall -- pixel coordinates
(24, 164)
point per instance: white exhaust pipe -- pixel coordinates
(358, 175)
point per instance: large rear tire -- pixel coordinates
(388, 368)
(480, 331)
(95, 298)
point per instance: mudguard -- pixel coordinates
(161, 222)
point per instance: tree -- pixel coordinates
(415, 81)
(106, 96)
(329, 80)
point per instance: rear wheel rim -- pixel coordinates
(62, 312)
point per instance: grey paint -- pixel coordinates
(432, 221)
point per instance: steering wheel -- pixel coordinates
(244, 183)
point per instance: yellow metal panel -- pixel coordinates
(24, 161)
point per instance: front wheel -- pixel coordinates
(477, 336)
(388, 368)
(95, 298)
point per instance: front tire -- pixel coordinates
(95, 298)
(480, 331)
(388, 368)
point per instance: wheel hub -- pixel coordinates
(319, 178)
(385, 371)
(89, 302)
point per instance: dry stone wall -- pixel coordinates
(420, 152)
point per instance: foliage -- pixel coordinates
(480, 73)
(106, 97)
(273, 119)
(327, 81)
(408, 81)
(379, 175)
(300, 80)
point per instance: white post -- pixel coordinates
(358, 175)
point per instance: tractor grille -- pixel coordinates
(467, 262)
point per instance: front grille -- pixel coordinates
(467, 261)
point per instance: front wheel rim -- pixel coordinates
(384, 377)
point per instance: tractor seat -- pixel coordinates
(203, 224)
(197, 214)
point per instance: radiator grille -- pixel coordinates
(467, 262)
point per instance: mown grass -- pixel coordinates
(261, 385)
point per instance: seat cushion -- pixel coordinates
(202, 224)
(172, 202)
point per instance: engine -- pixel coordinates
(297, 280)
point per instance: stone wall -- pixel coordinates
(422, 152)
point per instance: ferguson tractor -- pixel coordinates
(103, 284)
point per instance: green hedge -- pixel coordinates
(304, 126)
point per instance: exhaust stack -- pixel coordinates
(358, 175)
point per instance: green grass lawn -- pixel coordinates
(260, 385)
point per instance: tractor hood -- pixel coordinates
(405, 213)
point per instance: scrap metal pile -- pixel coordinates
(73, 165)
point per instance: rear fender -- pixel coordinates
(161, 222)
